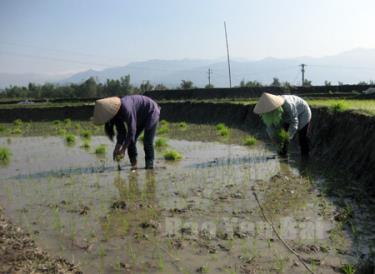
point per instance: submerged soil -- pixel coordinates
(19, 253)
(194, 215)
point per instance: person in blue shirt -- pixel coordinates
(130, 115)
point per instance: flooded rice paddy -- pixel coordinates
(196, 215)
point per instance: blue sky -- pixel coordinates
(72, 35)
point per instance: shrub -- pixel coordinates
(56, 122)
(250, 141)
(70, 139)
(161, 142)
(5, 155)
(101, 149)
(172, 155)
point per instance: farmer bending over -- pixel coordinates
(139, 113)
(285, 116)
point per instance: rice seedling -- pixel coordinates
(101, 149)
(182, 126)
(70, 139)
(250, 141)
(161, 263)
(339, 106)
(67, 123)
(141, 137)
(224, 132)
(222, 129)
(220, 126)
(16, 131)
(283, 136)
(161, 143)
(17, 123)
(172, 155)
(5, 155)
(86, 134)
(348, 269)
(56, 122)
(163, 130)
(164, 123)
(61, 131)
(86, 144)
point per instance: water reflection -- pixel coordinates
(135, 208)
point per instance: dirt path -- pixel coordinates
(19, 254)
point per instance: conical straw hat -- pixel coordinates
(105, 109)
(268, 102)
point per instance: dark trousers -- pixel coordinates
(148, 145)
(303, 140)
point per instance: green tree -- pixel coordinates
(160, 87)
(186, 84)
(209, 86)
(327, 83)
(146, 86)
(307, 83)
(275, 82)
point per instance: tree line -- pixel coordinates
(92, 88)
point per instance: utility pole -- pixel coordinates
(226, 39)
(303, 73)
(209, 76)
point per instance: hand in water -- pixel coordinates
(119, 152)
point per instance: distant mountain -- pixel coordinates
(349, 67)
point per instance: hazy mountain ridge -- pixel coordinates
(348, 67)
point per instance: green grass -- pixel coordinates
(2, 128)
(101, 149)
(172, 155)
(250, 141)
(70, 139)
(161, 143)
(361, 106)
(339, 106)
(5, 155)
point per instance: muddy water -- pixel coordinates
(195, 215)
